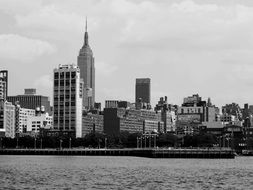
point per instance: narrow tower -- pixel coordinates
(85, 61)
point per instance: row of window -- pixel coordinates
(66, 74)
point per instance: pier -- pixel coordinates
(149, 153)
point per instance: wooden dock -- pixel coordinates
(149, 153)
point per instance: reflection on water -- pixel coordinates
(91, 172)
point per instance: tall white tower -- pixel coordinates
(68, 97)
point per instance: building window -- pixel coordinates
(56, 75)
(73, 74)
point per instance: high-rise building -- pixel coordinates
(142, 90)
(2, 130)
(2, 89)
(68, 94)
(85, 62)
(30, 100)
(3, 84)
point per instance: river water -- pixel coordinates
(105, 172)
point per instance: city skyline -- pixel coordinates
(209, 60)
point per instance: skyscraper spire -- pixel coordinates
(86, 42)
(85, 61)
(86, 25)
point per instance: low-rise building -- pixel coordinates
(168, 114)
(92, 123)
(195, 113)
(22, 115)
(132, 120)
(35, 123)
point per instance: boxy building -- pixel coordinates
(31, 100)
(68, 92)
(131, 120)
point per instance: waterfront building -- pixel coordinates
(3, 84)
(131, 120)
(7, 119)
(195, 113)
(2, 129)
(92, 123)
(233, 109)
(142, 90)
(37, 122)
(85, 61)
(31, 100)
(68, 97)
(168, 114)
(228, 119)
(22, 115)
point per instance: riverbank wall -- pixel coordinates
(149, 153)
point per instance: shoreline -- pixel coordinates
(137, 152)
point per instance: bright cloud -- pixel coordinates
(13, 46)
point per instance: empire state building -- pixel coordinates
(85, 61)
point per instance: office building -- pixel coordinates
(7, 119)
(85, 62)
(195, 113)
(92, 123)
(117, 120)
(22, 115)
(37, 122)
(111, 103)
(3, 84)
(31, 100)
(2, 89)
(142, 90)
(68, 92)
(168, 114)
(2, 130)
(233, 109)
(118, 104)
(30, 91)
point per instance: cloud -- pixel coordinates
(50, 17)
(44, 82)
(103, 68)
(185, 46)
(19, 7)
(189, 26)
(20, 48)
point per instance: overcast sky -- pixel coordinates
(185, 47)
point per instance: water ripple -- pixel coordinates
(70, 172)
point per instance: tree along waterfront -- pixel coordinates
(123, 140)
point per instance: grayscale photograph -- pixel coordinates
(126, 94)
